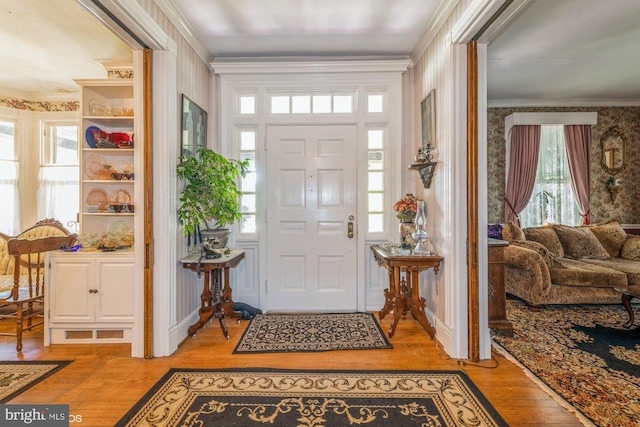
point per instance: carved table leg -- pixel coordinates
(389, 295)
(626, 302)
(416, 306)
(397, 301)
(206, 308)
(227, 299)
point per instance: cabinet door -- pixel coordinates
(115, 297)
(70, 291)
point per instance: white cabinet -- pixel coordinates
(90, 297)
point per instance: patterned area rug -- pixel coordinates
(583, 354)
(254, 397)
(269, 333)
(16, 377)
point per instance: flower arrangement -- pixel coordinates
(406, 207)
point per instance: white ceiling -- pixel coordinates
(553, 50)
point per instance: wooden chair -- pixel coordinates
(28, 255)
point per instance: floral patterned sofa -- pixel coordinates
(558, 264)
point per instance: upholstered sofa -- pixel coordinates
(44, 228)
(559, 264)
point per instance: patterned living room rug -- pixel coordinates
(270, 333)
(257, 397)
(16, 377)
(583, 354)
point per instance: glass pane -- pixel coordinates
(280, 105)
(248, 203)
(252, 160)
(376, 181)
(342, 104)
(7, 151)
(376, 160)
(375, 138)
(376, 202)
(248, 224)
(247, 140)
(322, 103)
(376, 223)
(247, 104)
(249, 182)
(64, 145)
(301, 104)
(375, 103)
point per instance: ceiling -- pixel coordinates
(551, 51)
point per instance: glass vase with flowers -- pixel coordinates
(406, 209)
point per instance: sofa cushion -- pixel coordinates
(628, 267)
(611, 235)
(511, 231)
(585, 274)
(631, 248)
(580, 242)
(548, 256)
(547, 236)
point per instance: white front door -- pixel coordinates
(311, 209)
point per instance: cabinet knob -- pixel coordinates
(93, 291)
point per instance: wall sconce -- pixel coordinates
(614, 187)
(425, 165)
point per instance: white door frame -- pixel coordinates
(260, 78)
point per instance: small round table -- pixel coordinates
(628, 293)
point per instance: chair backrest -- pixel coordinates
(31, 252)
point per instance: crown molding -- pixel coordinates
(439, 18)
(299, 65)
(175, 16)
(520, 103)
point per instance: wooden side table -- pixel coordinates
(214, 301)
(497, 293)
(404, 293)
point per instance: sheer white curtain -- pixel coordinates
(9, 197)
(58, 193)
(552, 200)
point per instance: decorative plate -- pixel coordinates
(97, 197)
(94, 164)
(88, 134)
(120, 227)
(121, 196)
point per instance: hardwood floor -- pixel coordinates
(103, 382)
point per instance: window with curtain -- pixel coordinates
(10, 212)
(59, 175)
(553, 199)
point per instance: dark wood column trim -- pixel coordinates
(147, 153)
(472, 203)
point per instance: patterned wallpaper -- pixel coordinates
(39, 106)
(625, 209)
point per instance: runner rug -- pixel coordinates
(16, 377)
(258, 397)
(582, 354)
(269, 333)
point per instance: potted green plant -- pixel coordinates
(210, 193)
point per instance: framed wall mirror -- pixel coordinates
(613, 151)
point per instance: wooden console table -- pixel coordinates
(401, 297)
(214, 301)
(497, 293)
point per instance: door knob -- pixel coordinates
(350, 229)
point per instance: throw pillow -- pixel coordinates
(580, 242)
(511, 231)
(631, 248)
(611, 235)
(547, 236)
(548, 257)
(494, 231)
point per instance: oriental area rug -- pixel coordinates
(270, 333)
(258, 397)
(16, 377)
(580, 354)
